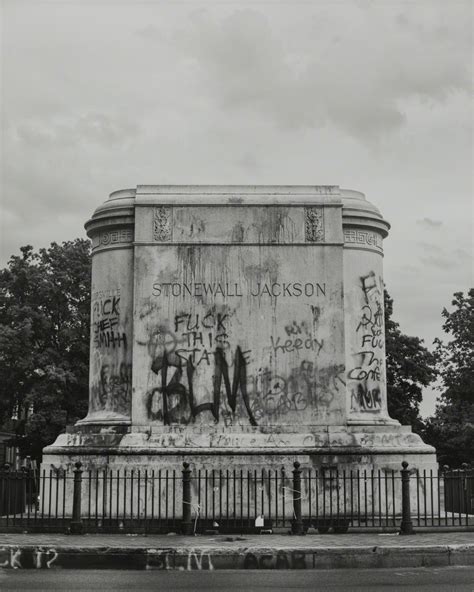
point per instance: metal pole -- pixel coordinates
(465, 504)
(297, 524)
(406, 526)
(186, 524)
(76, 526)
(5, 483)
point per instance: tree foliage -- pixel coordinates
(451, 430)
(410, 367)
(44, 341)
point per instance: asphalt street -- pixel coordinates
(442, 579)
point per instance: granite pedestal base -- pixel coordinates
(343, 447)
(128, 469)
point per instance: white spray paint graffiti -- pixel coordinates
(40, 557)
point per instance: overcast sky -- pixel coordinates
(373, 96)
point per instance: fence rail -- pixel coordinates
(235, 501)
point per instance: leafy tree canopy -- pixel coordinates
(410, 367)
(456, 358)
(44, 341)
(451, 430)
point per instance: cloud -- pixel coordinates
(429, 223)
(151, 32)
(431, 247)
(438, 262)
(462, 254)
(249, 162)
(52, 172)
(59, 131)
(363, 64)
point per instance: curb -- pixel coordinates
(189, 558)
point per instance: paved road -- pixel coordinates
(445, 579)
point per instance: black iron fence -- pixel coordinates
(235, 501)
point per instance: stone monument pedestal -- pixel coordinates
(235, 328)
(337, 447)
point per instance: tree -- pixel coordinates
(44, 342)
(451, 429)
(410, 367)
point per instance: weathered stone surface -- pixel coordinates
(220, 552)
(238, 321)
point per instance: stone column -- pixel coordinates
(364, 229)
(111, 230)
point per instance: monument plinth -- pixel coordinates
(238, 325)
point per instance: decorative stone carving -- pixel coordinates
(162, 230)
(314, 225)
(363, 238)
(121, 235)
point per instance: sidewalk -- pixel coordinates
(43, 551)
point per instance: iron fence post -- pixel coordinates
(406, 526)
(297, 524)
(4, 489)
(464, 469)
(76, 526)
(186, 524)
(24, 487)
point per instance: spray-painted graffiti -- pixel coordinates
(293, 344)
(106, 329)
(277, 400)
(174, 402)
(372, 287)
(263, 394)
(110, 370)
(199, 372)
(364, 399)
(305, 386)
(369, 367)
(193, 337)
(196, 560)
(200, 335)
(366, 376)
(37, 558)
(111, 390)
(299, 336)
(175, 559)
(195, 340)
(297, 328)
(371, 325)
(189, 559)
